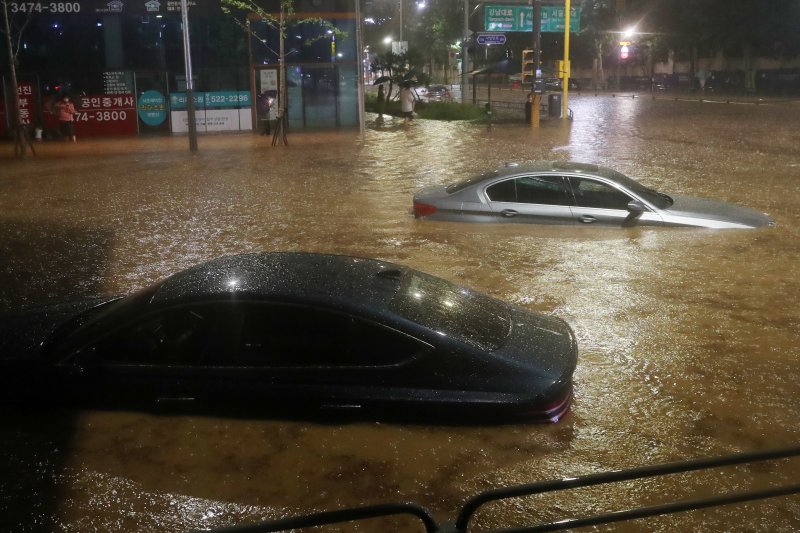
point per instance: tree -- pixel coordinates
(434, 29)
(730, 27)
(598, 23)
(430, 30)
(402, 70)
(13, 27)
(243, 10)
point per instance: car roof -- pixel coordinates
(285, 275)
(513, 168)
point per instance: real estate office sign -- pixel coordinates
(107, 7)
(520, 18)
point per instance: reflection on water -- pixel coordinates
(689, 338)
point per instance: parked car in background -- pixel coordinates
(552, 192)
(278, 332)
(438, 93)
(556, 84)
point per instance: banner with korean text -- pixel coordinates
(97, 115)
(214, 111)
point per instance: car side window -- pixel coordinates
(592, 193)
(504, 191)
(175, 336)
(547, 190)
(273, 335)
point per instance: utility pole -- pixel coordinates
(537, 41)
(536, 96)
(567, 68)
(187, 59)
(464, 53)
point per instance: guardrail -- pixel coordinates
(472, 505)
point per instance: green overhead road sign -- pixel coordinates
(520, 18)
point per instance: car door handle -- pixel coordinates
(508, 213)
(173, 400)
(587, 219)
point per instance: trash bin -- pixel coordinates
(554, 105)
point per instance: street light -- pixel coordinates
(629, 33)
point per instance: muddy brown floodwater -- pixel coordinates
(689, 339)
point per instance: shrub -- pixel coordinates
(429, 110)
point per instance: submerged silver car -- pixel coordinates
(574, 193)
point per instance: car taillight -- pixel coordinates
(553, 411)
(423, 210)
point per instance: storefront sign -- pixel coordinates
(26, 102)
(214, 111)
(118, 82)
(98, 115)
(152, 108)
(269, 79)
(213, 120)
(221, 99)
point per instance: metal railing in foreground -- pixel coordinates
(473, 504)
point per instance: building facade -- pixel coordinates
(122, 62)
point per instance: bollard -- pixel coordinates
(535, 100)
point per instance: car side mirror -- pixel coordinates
(635, 207)
(83, 362)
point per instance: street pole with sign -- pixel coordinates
(565, 82)
(187, 59)
(536, 96)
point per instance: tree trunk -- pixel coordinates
(598, 73)
(22, 142)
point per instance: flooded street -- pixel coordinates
(689, 339)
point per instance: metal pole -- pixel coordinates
(537, 41)
(464, 53)
(359, 69)
(565, 82)
(281, 68)
(401, 21)
(187, 59)
(536, 96)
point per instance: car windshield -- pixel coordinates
(658, 199)
(455, 187)
(453, 311)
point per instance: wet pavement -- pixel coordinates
(689, 339)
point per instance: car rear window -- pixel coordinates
(461, 185)
(453, 311)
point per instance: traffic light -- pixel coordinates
(528, 66)
(624, 49)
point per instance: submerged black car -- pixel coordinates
(285, 331)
